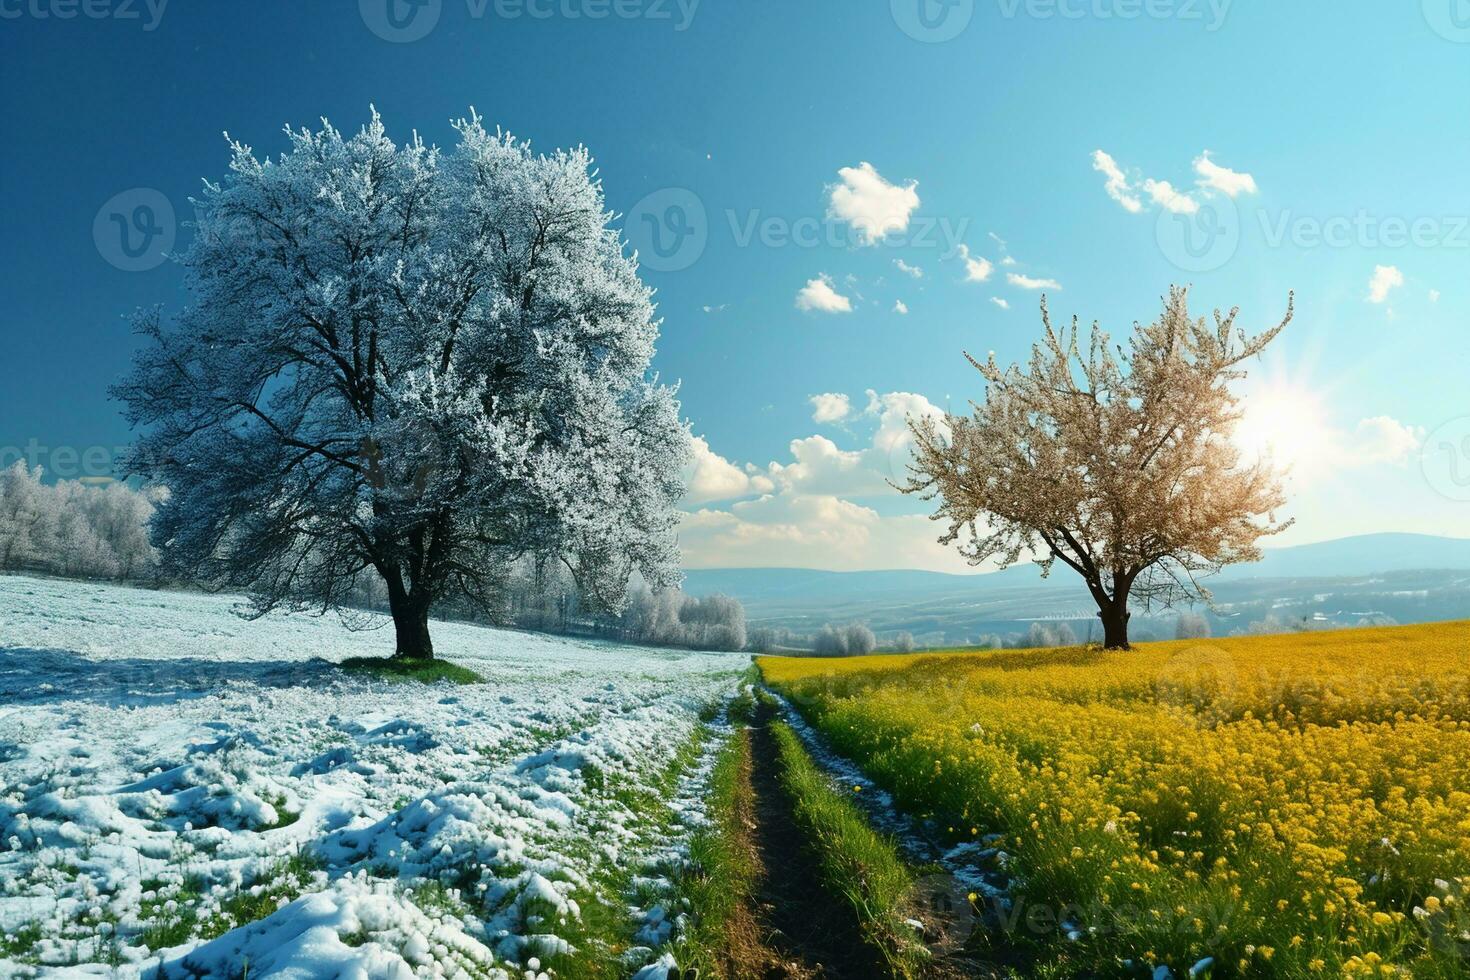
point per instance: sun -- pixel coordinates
(1285, 423)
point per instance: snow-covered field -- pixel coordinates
(169, 770)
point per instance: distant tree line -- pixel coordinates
(69, 528)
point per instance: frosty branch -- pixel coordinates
(411, 363)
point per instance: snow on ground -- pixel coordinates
(169, 770)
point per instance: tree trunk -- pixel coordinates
(1114, 618)
(410, 622)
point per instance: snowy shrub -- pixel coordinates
(1046, 635)
(71, 529)
(853, 640)
(903, 643)
(1191, 626)
(766, 639)
(672, 618)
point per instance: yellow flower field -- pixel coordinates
(1293, 805)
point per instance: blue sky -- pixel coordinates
(1349, 119)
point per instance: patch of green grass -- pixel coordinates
(20, 943)
(284, 817)
(858, 864)
(405, 669)
(284, 879)
(720, 876)
(605, 930)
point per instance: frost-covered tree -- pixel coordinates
(853, 640)
(1118, 463)
(1191, 625)
(408, 362)
(672, 618)
(69, 528)
(1043, 635)
(26, 516)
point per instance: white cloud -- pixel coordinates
(1164, 195)
(1026, 282)
(819, 295)
(976, 269)
(871, 204)
(1117, 184)
(830, 407)
(1211, 178)
(1385, 278)
(894, 409)
(1382, 439)
(715, 309)
(1008, 261)
(819, 465)
(1003, 304)
(712, 477)
(900, 307)
(812, 531)
(1434, 296)
(800, 513)
(910, 270)
(1229, 182)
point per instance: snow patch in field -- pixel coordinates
(165, 764)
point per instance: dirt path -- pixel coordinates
(794, 927)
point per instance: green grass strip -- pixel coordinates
(858, 864)
(405, 669)
(720, 876)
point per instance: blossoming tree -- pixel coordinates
(1119, 464)
(410, 363)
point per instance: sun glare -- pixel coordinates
(1285, 423)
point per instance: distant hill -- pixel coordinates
(1365, 554)
(1338, 579)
